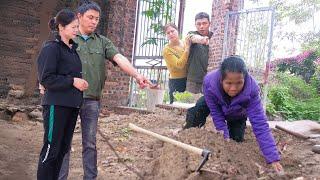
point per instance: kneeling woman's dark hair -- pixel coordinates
(63, 17)
(233, 64)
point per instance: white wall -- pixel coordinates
(192, 8)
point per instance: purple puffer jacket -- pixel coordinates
(245, 104)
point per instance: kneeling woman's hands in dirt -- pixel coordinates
(277, 167)
(222, 133)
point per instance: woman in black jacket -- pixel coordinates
(59, 72)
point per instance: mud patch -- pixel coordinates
(232, 159)
(142, 157)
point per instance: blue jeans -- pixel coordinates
(89, 113)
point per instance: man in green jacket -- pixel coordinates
(93, 49)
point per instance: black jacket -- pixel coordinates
(57, 66)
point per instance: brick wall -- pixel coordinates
(117, 23)
(19, 32)
(19, 37)
(219, 10)
(120, 24)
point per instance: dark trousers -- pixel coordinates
(197, 115)
(59, 123)
(236, 129)
(89, 114)
(178, 85)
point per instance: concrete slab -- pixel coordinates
(310, 129)
(180, 107)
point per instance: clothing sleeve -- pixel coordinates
(196, 38)
(47, 70)
(192, 32)
(173, 60)
(261, 128)
(215, 110)
(110, 49)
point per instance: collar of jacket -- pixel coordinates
(92, 35)
(74, 44)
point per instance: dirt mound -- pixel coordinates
(125, 154)
(231, 159)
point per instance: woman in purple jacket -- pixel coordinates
(232, 96)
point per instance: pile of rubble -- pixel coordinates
(17, 107)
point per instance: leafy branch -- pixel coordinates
(160, 13)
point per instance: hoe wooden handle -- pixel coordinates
(166, 139)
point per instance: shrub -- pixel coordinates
(315, 79)
(184, 97)
(297, 87)
(303, 65)
(293, 99)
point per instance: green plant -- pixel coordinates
(166, 97)
(297, 87)
(315, 79)
(302, 65)
(293, 98)
(271, 110)
(185, 97)
(160, 13)
(125, 132)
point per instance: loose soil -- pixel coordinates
(125, 154)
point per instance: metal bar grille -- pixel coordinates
(248, 33)
(148, 58)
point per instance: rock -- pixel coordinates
(299, 178)
(316, 148)
(16, 93)
(3, 106)
(12, 109)
(39, 119)
(20, 116)
(16, 87)
(4, 115)
(36, 114)
(314, 141)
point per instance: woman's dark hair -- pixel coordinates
(86, 5)
(63, 17)
(169, 25)
(201, 15)
(233, 64)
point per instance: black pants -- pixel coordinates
(197, 115)
(236, 129)
(176, 85)
(59, 123)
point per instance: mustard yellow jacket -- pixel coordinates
(176, 59)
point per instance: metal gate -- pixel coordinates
(248, 33)
(149, 43)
